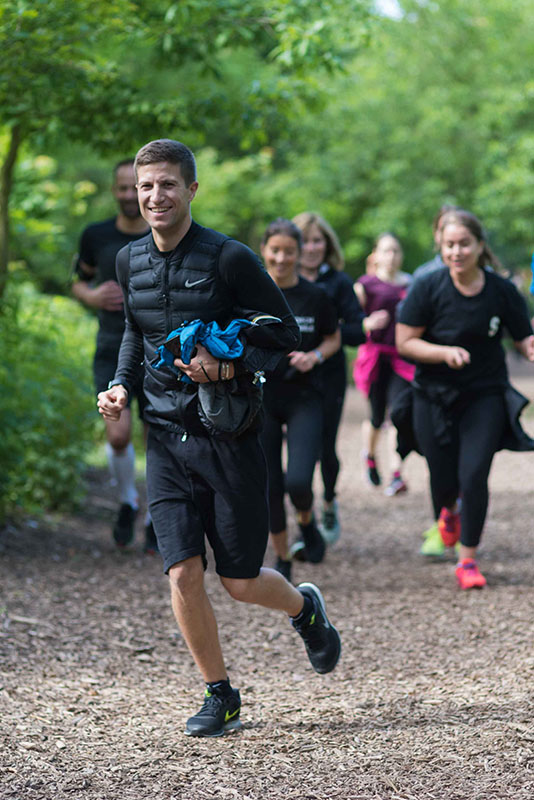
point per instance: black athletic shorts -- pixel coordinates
(199, 487)
(105, 366)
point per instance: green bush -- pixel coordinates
(47, 406)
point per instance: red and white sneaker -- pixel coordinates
(468, 574)
(397, 486)
(449, 526)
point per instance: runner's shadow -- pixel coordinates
(404, 716)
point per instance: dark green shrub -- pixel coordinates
(47, 405)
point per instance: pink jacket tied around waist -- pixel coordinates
(365, 370)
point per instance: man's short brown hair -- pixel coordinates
(168, 150)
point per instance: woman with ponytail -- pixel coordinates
(322, 262)
(293, 398)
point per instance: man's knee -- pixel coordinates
(239, 588)
(186, 577)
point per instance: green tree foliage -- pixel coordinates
(49, 206)
(115, 73)
(439, 108)
(52, 81)
(85, 83)
(449, 93)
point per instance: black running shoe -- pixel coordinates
(322, 641)
(298, 551)
(123, 530)
(371, 470)
(217, 716)
(151, 543)
(284, 568)
(314, 544)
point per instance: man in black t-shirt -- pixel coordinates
(96, 286)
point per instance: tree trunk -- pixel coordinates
(6, 180)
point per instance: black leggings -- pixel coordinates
(300, 409)
(383, 391)
(335, 384)
(461, 467)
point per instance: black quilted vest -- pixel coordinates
(164, 291)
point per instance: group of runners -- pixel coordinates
(430, 349)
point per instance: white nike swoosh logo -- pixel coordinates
(189, 284)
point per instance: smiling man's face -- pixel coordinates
(165, 200)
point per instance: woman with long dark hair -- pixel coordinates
(292, 397)
(464, 408)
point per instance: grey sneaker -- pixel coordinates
(322, 640)
(329, 527)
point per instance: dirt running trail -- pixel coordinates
(433, 698)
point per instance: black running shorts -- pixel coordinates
(199, 487)
(105, 365)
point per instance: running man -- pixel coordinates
(96, 287)
(201, 485)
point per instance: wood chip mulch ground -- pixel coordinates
(433, 698)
